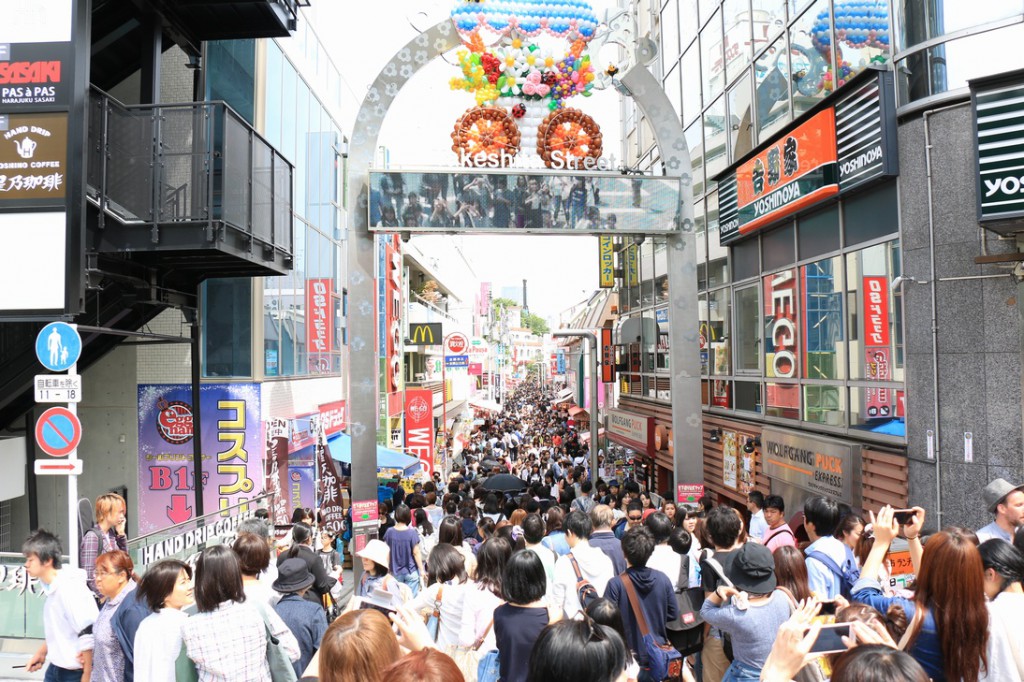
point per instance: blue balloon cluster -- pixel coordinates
(531, 17)
(858, 23)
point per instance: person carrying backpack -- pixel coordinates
(583, 569)
(584, 503)
(831, 567)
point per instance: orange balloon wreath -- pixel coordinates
(573, 135)
(489, 131)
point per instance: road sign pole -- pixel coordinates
(73, 490)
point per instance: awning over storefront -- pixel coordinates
(454, 408)
(340, 446)
(484, 404)
(575, 411)
(562, 395)
(585, 435)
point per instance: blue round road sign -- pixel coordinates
(58, 346)
(58, 432)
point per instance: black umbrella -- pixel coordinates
(504, 483)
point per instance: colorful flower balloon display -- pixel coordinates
(558, 18)
(859, 23)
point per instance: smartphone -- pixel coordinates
(830, 639)
(828, 608)
(386, 610)
(904, 517)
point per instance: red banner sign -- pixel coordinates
(878, 401)
(319, 325)
(607, 356)
(780, 313)
(393, 316)
(876, 311)
(419, 427)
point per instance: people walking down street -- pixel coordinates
(428, 534)
(376, 557)
(533, 534)
(778, 534)
(654, 592)
(253, 560)
(115, 577)
(69, 612)
(519, 622)
(758, 522)
(827, 558)
(663, 559)
(850, 530)
(483, 598)
(167, 590)
(450, 533)
(577, 651)
(306, 621)
(302, 548)
(555, 539)
(603, 537)
(106, 535)
(1006, 502)
(722, 527)
(1004, 576)
(791, 572)
(404, 542)
(948, 620)
(446, 596)
(357, 647)
(582, 562)
(227, 638)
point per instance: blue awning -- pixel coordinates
(340, 446)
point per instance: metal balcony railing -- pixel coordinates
(198, 163)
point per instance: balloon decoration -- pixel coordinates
(507, 68)
(567, 137)
(483, 134)
(859, 24)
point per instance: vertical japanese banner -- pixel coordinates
(607, 356)
(302, 486)
(332, 515)
(632, 266)
(320, 324)
(606, 262)
(877, 402)
(231, 450)
(275, 469)
(419, 427)
(730, 465)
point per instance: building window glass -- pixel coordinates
(878, 410)
(870, 215)
(745, 260)
(741, 124)
(272, 108)
(227, 327)
(696, 147)
(782, 400)
(748, 396)
(825, 405)
(661, 358)
(230, 73)
(777, 247)
(863, 35)
(781, 325)
(718, 258)
(688, 22)
(691, 85)
(748, 330)
(715, 140)
(736, 14)
(772, 90)
(670, 32)
(923, 20)
(673, 90)
(647, 274)
(818, 233)
(717, 334)
(660, 270)
(705, 335)
(712, 71)
(823, 319)
(875, 336)
(770, 17)
(808, 64)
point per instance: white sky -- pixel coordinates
(361, 37)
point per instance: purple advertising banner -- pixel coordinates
(232, 447)
(301, 486)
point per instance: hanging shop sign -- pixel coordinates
(425, 333)
(607, 356)
(33, 74)
(320, 323)
(33, 158)
(419, 427)
(831, 150)
(632, 265)
(824, 466)
(635, 431)
(606, 262)
(999, 146)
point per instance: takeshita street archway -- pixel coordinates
(630, 77)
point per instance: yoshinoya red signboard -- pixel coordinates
(319, 323)
(876, 311)
(419, 427)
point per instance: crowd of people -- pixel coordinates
(519, 568)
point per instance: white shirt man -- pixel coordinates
(594, 564)
(758, 524)
(1006, 501)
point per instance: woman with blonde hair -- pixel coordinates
(106, 535)
(357, 647)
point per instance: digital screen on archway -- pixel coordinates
(500, 202)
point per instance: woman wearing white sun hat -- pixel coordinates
(376, 557)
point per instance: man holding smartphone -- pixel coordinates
(1006, 502)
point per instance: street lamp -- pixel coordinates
(592, 338)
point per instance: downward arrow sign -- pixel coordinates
(178, 511)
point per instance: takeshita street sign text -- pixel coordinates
(833, 149)
(503, 202)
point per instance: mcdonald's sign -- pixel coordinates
(425, 334)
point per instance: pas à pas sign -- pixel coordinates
(560, 160)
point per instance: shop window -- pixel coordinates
(808, 64)
(748, 330)
(777, 248)
(781, 325)
(661, 351)
(823, 319)
(712, 67)
(878, 410)
(227, 327)
(818, 233)
(875, 337)
(717, 334)
(741, 121)
(824, 405)
(782, 400)
(772, 89)
(660, 270)
(272, 315)
(647, 274)
(748, 396)
(871, 215)
(705, 335)
(721, 393)
(746, 262)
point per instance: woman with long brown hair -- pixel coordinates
(948, 631)
(791, 572)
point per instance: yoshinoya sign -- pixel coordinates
(833, 149)
(824, 466)
(999, 146)
(632, 430)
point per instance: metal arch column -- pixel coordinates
(362, 378)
